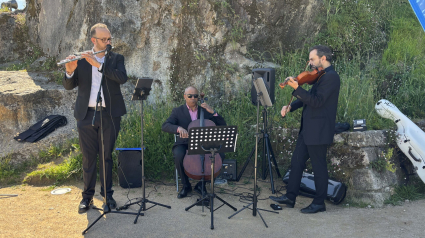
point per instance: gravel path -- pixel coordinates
(35, 212)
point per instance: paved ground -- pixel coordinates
(35, 212)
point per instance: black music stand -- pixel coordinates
(268, 154)
(106, 209)
(262, 96)
(212, 139)
(141, 92)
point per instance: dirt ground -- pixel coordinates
(35, 212)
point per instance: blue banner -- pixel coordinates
(419, 9)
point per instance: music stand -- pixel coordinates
(141, 92)
(268, 153)
(263, 97)
(212, 140)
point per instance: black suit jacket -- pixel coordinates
(180, 117)
(115, 75)
(319, 108)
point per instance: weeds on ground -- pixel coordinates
(409, 192)
(10, 174)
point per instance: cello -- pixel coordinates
(195, 166)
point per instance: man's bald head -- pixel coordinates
(192, 101)
(191, 90)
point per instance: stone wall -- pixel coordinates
(350, 160)
(360, 150)
(7, 29)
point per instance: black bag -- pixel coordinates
(341, 127)
(41, 129)
(336, 190)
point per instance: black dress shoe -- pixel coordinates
(199, 190)
(185, 190)
(111, 202)
(314, 208)
(85, 205)
(283, 200)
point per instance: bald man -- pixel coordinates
(178, 122)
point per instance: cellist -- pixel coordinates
(178, 123)
(317, 129)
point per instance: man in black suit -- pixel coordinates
(317, 130)
(178, 123)
(87, 74)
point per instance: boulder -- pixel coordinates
(26, 98)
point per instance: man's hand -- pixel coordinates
(71, 66)
(207, 107)
(284, 110)
(91, 59)
(183, 133)
(292, 82)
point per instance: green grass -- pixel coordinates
(406, 192)
(11, 174)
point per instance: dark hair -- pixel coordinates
(98, 25)
(322, 51)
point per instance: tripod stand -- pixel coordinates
(141, 93)
(203, 140)
(268, 154)
(265, 99)
(106, 209)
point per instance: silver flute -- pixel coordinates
(78, 56)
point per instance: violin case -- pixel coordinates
(336, 190)
(409, 136)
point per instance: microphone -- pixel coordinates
(108, 49)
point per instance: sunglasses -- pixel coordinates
(104, 40)
(192, 95)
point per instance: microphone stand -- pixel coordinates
(106, 209)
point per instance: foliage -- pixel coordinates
(59, 173)
(10, 173)
(4, 9)
(383, 163)
(406, 192)
(159, 162)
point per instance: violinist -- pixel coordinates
(178, 123)
(317, 129)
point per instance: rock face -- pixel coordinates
(26, 98)
(7, 29)
(178, 42)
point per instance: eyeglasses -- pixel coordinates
(192, 95)
(104, 40)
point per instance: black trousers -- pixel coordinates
(91, 147)
(317, 154)
(179, 151)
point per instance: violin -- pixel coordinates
(309, 77)
(195, 166)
